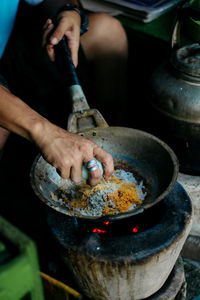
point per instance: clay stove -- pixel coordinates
(132, 258)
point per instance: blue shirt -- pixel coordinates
(8, 11)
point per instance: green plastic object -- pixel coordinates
(19, 267)
(160, 28)
(195, 3)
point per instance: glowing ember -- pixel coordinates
(106, 222)
(135, 229)
(99, 231)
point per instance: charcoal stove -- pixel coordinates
(130, 258)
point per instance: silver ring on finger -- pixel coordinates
(91, 163)
(94, 168)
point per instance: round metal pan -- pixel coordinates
(147, 157)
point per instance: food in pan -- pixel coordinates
(119, 194)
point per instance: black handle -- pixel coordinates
(65, 63)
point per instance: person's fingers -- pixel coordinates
(68, 25)
(64, 171)
(67, 152)
(50, 52)
(59, 32)
(107, 161)
(47, 28)
(67, 21)
(94, 176)
(73, 39)
(94, 172)
(48, 22)
(76, 172)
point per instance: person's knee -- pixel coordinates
(105, 35)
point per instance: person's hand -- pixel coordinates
(67, 152)
(68, 24)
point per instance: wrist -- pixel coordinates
(38, 130)
(72, 14)
(80, 11)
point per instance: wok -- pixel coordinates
(149, 158)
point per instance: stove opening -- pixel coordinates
(131, 225)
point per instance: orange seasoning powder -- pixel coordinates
(124, 196)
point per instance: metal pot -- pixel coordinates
(175, 98)
(146, 156)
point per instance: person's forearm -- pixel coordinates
(18, 117)
(52, 6)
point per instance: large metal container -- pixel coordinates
(175, 97)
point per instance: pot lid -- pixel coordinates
(187, 60)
